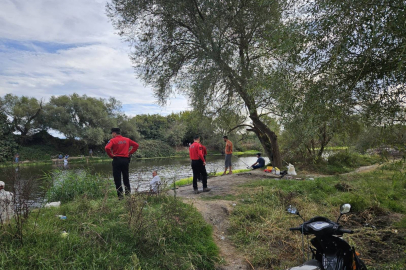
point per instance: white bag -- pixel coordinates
(53, 204)
(291, 170)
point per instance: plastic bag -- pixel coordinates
(291, 170)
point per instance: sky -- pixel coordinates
(59, 47)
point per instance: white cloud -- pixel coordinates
(61, 47)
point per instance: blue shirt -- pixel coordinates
(261, 161)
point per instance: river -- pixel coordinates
(169, 169)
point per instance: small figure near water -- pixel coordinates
(60, 156)
(91, 152)
(120, 149)
(6, 204)
(16, 158)
(260, 162)
(229, 154)
(155, 184)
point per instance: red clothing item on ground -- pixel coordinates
(196, 151)
(119, 146)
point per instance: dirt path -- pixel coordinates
(216, 211)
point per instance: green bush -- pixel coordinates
(37, 152)
(154, 148)
(68, 185)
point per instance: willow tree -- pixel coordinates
(215, 51)
(359, 46)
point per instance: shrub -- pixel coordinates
(154, 148)
(67, 185)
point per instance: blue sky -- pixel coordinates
(58, 47)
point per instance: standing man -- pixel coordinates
(118, 148)
(229, 153)
(198, 164)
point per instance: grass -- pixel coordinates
(189, 180)
(140, 232)
(339, 163)
(259, 224)
(68, 185)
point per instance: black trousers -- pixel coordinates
(199, 169)
(120, 166)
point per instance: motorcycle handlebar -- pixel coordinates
(346, 231)
(296, 229)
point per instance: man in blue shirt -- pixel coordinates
(260, 162)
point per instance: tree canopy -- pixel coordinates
(217, 52)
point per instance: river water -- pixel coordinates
(169, 169)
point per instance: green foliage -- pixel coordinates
(101, 235)
(350, 159)
(154, 148)
(37, 152)
(69, 185)
(342, 162)
(24, 112)
(378, 136)
(87, 118)
(358, 50)
(8, 146)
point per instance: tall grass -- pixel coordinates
(68, 185)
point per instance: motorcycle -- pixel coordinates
(329, 250)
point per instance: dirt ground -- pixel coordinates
(216, 212)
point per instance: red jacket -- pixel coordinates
(204, 150)
(119, 146)
(196, 151)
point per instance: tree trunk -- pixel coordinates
(268, 139)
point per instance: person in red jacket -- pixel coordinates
(120, 149)
(198, 164)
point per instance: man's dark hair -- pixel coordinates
(196, 137)
(225, 137)
(258, 154)
(116, 130)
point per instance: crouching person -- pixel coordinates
(6, 204)
(155, 184)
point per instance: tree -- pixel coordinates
(82, 117)
(8, 146)
(217, 52)
(360, 46)
(23, 112)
